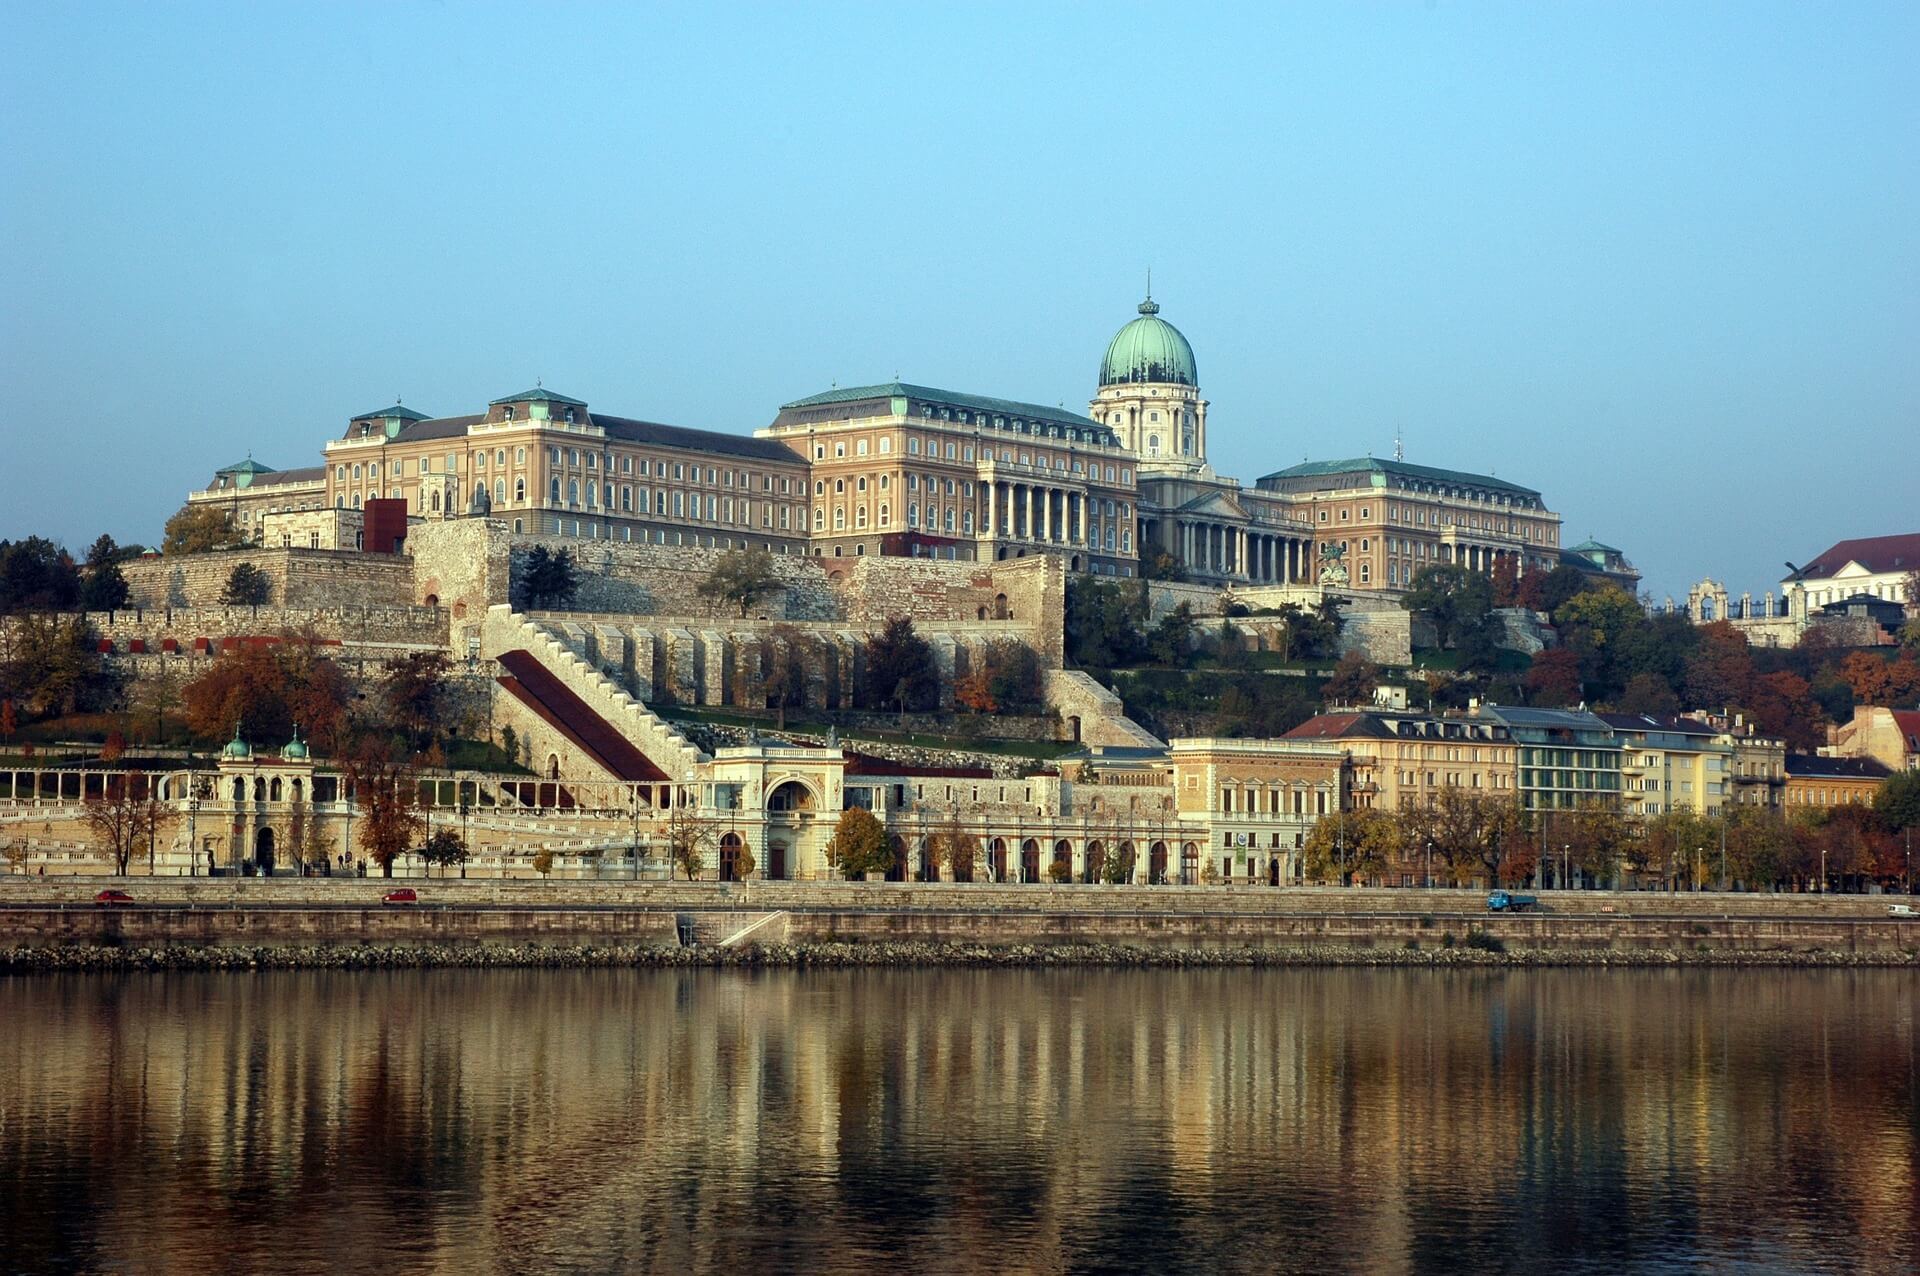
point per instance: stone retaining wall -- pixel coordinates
(301, 578)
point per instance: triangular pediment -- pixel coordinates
(1851, 571)
(1215, 505)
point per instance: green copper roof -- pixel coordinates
(1149, 349)
(397, 410)
(248, 466)
(236, 747)
(950, 398)
(538, 395)
(1399, 469)
(1590, 546)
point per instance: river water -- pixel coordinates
(960, 1121)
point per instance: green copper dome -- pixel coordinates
(296, 749)
(236, 747)
(1149, 349)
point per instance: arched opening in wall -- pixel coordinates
(553, 766)
(896, 859)
(997, 860)
(777, 861)
(459, 611)
(432, 600)
(1000, 611)
(1073, 725)
(924, 862)
(1030, 861)
(960, 864)
(983, 613)
(1074, 562)
(263, 852)
(1157, 865)
(1189, 863)
(790, 796)
(730, 847)
(259, 790)
(1062, 867)
(273, 790)
(1125, 855)
(1094, 866)
(1273, 871)
(239, 790)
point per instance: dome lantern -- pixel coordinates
(1149, 350)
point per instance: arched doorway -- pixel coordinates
(1157, 865)
(777, 861)
(263, 851)
(997, 859)
(1030, 861)
(730, 848)
(1094, 866)
(928, 872)
(896, 859)
(1061, 870)
(1273, 872)
(1189, 863)
(1127, 861)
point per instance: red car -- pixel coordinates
(112, 899)
(405, 895)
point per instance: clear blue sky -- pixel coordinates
(1660, 261)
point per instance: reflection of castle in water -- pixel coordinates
(675, 1118)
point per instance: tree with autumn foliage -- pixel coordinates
(1873, 680)
(386, 794)
(859, 844)
(1554, 679)
(267, 686)
(1352, 846)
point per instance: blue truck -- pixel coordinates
(1507, 902)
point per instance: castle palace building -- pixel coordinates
(1362, 524)
(905, 470)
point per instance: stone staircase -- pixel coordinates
(672, 752)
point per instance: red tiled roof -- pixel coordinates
(1908, 723)
(534, 685)
(1875, 553)
(1332, 726)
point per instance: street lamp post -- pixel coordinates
(193, 838)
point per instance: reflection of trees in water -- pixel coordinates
(733, 1120)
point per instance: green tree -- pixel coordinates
(1352, 845)
(200, 529)
(1898, 801)
(1648, 693)
(859, 844)
(446, 849)
(37, 575)
(741, 578)
(1759, 845)
(103, 587)
(1560, 584)
(1453, 598)
(1171, 642)
(1105, 622)
(1681, 845)
(247, 586)
(900, 669)
(548, 580)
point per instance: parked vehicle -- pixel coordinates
(1902, 910)
(1507, 902)
(404, 895)
(112, 899)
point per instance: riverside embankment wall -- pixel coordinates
(455, 914)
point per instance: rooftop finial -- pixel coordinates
(1147, 307)
(1399, 447)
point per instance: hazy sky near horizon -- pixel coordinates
(1661, 262)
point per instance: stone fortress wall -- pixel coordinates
(301, 578)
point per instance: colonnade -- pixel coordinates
(1051, 515)
(1244, 553)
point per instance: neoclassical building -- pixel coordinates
(901, 469)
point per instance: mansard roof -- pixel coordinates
(1396, 469)
(921, 396)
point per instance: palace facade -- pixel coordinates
(909, 470)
